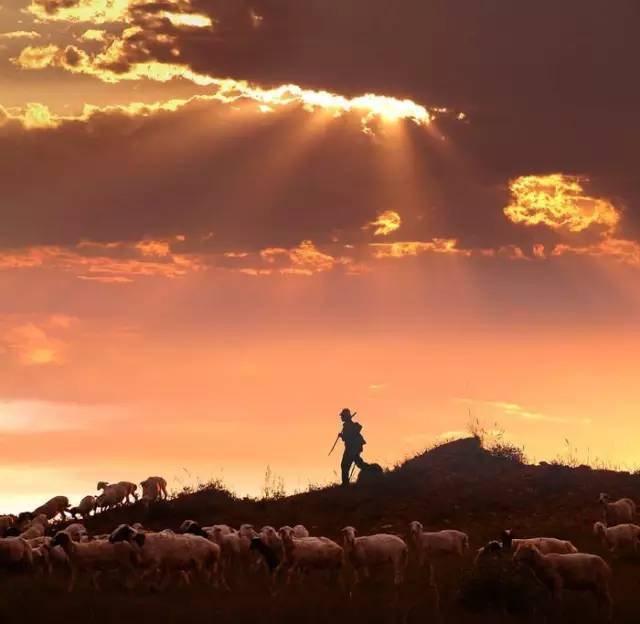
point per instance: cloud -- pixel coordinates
(115, 262)
(621, 250)
(515, 410)
(20, 34)
(385, 223)
(32, 345)
(559, 202)
(93, 34)
(415, 248)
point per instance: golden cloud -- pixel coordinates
(305, 259)
(415, 248)
(20, 34)
(385, 223)
(93, 34)
(559, 202)
(94, 11)
(116, 262)
(621, 250)
(114, 64)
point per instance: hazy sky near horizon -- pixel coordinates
(224, 221)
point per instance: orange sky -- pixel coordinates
(222, 223)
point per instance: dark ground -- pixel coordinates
(457, 485)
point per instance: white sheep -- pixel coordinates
(95, 557)
(619, 539)
(153, 489)
(621, 511)
(371, 551)
(433, 544)
(546, 545)
(299, 530)
(15, 551)
(53, 507)
(167, 553)
(304, 554)
(36, 527)
(574, 571)
(84, 507)
(77, 532)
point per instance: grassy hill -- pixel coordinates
(456, 485)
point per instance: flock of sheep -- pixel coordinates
(220, 555)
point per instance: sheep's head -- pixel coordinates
(507, 538)
(490, 550)
(101, 485)
(348, 535)
(599, 528)
(187, 526)
(123, 533)
(286, 534)
(12, 532)
(604, 498)
(246, 530)
(61, 539)
(415, 528)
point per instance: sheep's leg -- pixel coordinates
(73, 575)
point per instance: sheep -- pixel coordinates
(95, 557)
(167, 553)
(53, 507)
(622, 511)
(15, 551)
(234, 546)
(369, 551)
(428, 546)
(619, 539)
(271, 557)
(575, 571)
(112, 495)
(36, 527)
(77, 532)
(153, 488)
(309, 553)
(84, 507)
(546, 545)
(7, 522)
(299, 530)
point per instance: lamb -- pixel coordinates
(95, 557)
(546, 545)
(84, 508)
(621, 511)
(130, 489)
(153, 488)
(15, 551)
(574, 571)
(309, 553)
(36, 527)
(53, 507)
(619, 539)
(369, 551)
(167, 553)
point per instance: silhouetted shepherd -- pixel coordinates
(353, 444)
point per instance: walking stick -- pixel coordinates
(334, 444)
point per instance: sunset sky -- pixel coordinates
(222, 221)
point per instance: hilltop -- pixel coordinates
(457, 484)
